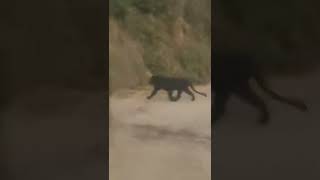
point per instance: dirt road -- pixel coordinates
(158, 139)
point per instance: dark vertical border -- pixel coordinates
(213, 34)
(91, 18)
(107, 95)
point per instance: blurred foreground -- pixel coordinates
(287, 148)
(55, 133)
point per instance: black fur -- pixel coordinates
(171, 84)
(231, 75)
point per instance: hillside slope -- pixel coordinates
(160, 37)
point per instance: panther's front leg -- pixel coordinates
(154, 92)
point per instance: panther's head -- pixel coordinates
(152, 79)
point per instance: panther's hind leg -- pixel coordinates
(247, 94)
(219, 105)
(190, 93)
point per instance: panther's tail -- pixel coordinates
(290, 101)
(203, 94)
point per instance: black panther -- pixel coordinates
(171, 84)
(232, 74)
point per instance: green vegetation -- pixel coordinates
(174, 37)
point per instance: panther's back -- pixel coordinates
(231, 70)
(170, 83)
